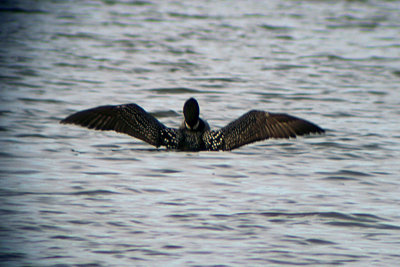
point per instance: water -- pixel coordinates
(70, 196)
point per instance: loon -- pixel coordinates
(194, 134)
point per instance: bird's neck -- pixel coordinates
(194, 127)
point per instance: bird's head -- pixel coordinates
(191, 111)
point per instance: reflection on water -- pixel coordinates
(73, 196)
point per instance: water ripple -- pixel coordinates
(72, 196)
(177, 90)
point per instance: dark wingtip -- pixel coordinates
(71, 119)
(80, 118)
(313, 129)
(65, 121)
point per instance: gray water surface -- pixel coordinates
(70, 196)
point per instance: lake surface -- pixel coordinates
(70, 196)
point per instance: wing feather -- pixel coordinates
(259, 125)
(129, 119)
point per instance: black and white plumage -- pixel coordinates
(194, 133)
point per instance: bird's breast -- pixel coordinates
(192, 140)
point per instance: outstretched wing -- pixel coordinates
(256, 126)
(129, 119)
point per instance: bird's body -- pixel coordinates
(195, 133)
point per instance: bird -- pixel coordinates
(194, 134)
